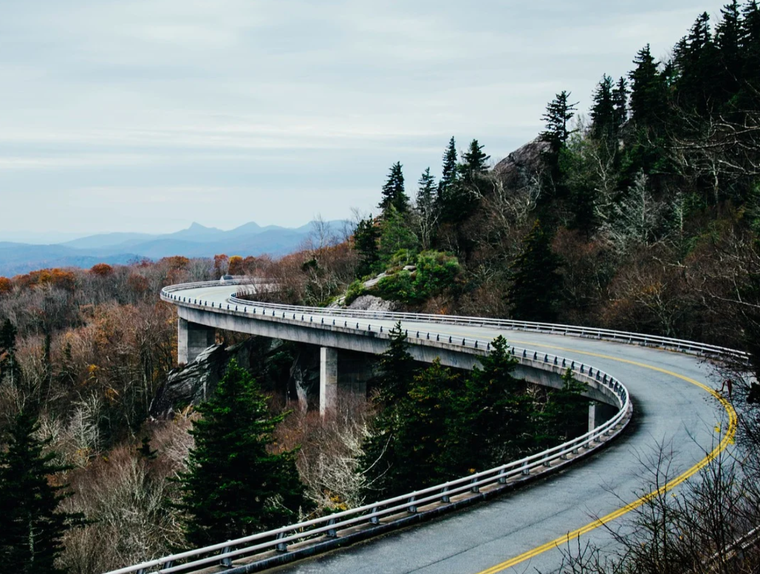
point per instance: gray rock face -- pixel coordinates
(304, 377)
(196, 381)
(372, 303)
(522, 165)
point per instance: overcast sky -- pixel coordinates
(148, 115)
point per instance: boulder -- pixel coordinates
(522, 165)
(372, 303)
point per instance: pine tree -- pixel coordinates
(558, 114)
(648, 91)
(498, 413)
(696, 60)
(235, 485)
(536, 284)
(449, 170)
(475, 161)
(393, 191)
(428, 415)
(366, 237)
(620, 104)
(566, 413)
(396, 368)
(408, 446)
(426, 208)
(728, 38)
(33, 526)
(603, 115)
(750, 50)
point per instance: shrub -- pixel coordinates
(436, 271)
(355, 290)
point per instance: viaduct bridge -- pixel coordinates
(668, 381)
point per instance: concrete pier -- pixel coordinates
(328, 379)
(192, 340)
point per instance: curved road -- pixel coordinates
(675, 413)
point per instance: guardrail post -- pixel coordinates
(445, 498)
(412, 509)
(227, 562)
(474, 488)
(282, 546)
(332, 533)
(374, 519)
(526, 470)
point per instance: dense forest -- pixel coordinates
(642, 215)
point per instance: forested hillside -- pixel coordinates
(641, 214)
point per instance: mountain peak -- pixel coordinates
(195, 226)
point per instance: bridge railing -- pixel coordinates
(680, 345)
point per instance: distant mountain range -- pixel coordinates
(195, 241)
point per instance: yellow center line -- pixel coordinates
(727, 439)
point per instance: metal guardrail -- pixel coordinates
(680, 345)
(272, 547)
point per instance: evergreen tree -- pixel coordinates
(33, 526)
(396, 368)
(365, 243)
(536, 285)
(648, 91)
(696, 61)
(620, 104)
(603, 113)
(426, 208)
(408, 446)
(475, 161)
(565, 414)
(393, 191)
(728, 38)
(427, 415)
(750, 50)
(461, 195)
(396, 235)
(498, 414)
(449, 170)
(558, 114)
(234, 484)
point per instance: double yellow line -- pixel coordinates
(725, 441)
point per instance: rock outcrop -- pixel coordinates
(271, 361)
(372, 303)
(519, 168)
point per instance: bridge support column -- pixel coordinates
(328, 379)
(192, 340)
(591, 415)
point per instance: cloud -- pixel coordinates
(300, 105)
